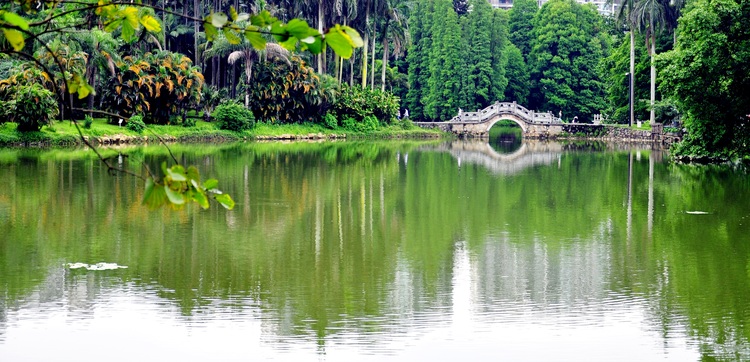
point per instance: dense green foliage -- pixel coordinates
(158, 85)
(616, 68)
(287, 92)
(455, 62)
(232, 116)
(707, 74)
(522, 24)
(136, 124)
(566, 49)
(520, 83)
(459, 55)
(32, 106)
(356, 104)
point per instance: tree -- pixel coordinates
(648, 15)
(395, 29)
(568, 45)
(626, 15)
(444, 85)
(518, 77)
(521, 24)
(22, 28)
(615, 71)
(157, 85)
(707, 74)
(500, 48)
(479, 55)
(420, 24)
(247, 53)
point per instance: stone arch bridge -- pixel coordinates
(478, 124)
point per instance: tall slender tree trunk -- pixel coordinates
(631, 81)
(365, 45)
(320, 56)
(249, 76)
(351, 69)
(233, 83)
(652, 118)
(372, 68)
(196, 29)
(338, 69)
(385, 61)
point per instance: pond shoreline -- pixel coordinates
(124, 139)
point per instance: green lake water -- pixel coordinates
(356, 251)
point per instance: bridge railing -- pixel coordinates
(545, 117)
(505, 107)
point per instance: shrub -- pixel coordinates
(286, 92)
(233, 116)
(407, 124)
(87, 121)
(6, 110)
(359, 103)
(368, 124)
(135, 124)
(330, 121)
(35, 107)
(188, 122)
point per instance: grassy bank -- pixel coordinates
(65, 133)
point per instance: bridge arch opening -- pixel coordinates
(505, 136)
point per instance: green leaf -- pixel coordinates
(194, 174)
(340, 43)
(279, 32)
(15, 20)
(211, 184)
(312, 41)
(128, 32)
(225, 200)
(154, 197)
(177, 173)
(289, 44)
(15, 38)
(218, 20)
(231, 36)
(112, 26)
(174, 196)
(298, 28)
(211, 32)
(233, 13)
(130, 14)
(150, 23)
(354, 36)
(255, 38)
(201, 199)
(83, 90)
(263, 19)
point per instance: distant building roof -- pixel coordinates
(604, 7)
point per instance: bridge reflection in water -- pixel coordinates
(479, 152)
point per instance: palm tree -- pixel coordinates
(648, 14)
(101, 48)
(625, 15)
(366, 40)
(245, 51)
(395, 27)
(345, 10)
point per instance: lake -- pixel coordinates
(357, 251)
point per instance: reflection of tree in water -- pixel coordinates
(339, 241)
(505, 137)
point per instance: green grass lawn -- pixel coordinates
(66, 133)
